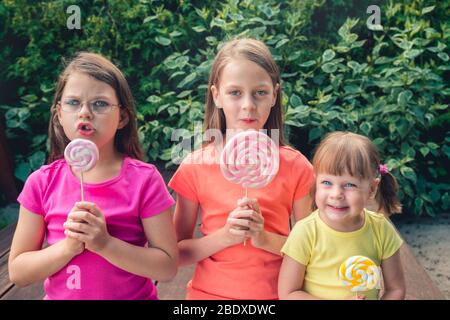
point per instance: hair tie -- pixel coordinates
(383, 169)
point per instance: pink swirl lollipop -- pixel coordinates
(81, 155)
(250, 159)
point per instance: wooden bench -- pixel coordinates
(419, 285)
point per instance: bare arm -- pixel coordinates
(191, 249)
(302, 208)
(273, 242)
(393, 278)
(28, 262)
(290, 281)
(159, 261)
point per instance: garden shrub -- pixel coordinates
(391, 85)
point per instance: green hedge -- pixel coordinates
(391, 85)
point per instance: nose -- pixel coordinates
(248, 103)
(85, 111)
(336, 192)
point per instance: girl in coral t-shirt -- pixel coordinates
(238, 255)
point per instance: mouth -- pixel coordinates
(248, 120)
(337, 208)
(85, 129)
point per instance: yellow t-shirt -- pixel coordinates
(322, 250)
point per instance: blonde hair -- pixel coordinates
(350, 153)
(257, 52)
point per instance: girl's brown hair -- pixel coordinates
(257, 52)
(349, 153)
(126, 140)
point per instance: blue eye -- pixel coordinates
(262, 92)
(72, 102)
(327, 183)
(235, 93)
(100, 103)
(350, 185)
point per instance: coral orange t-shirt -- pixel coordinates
(240, 272)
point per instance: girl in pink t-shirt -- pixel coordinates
(238, 254)
(97, 249)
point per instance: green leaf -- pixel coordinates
(199, 29)
(153, 99)
(355, 66)
(295, 101)
(418, 205)
(404, 97)
(427, 9)
(329, 67)
(424, 151)
(365, 128)
(22, 171)
(172, 111)
(187, 80)
(328, 55)
(163, 40)
(37, 160)
(411, 54)
(184, 94)
(308, 63)
(314, 134)
(408, 173)
(12, 123)
(443, 56)
(281, 42)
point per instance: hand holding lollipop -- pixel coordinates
(81, 155)
(360, 274)
(250, 159)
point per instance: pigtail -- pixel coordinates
(386, 196)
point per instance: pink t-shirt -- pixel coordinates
(138, 192)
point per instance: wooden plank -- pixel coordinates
(5, 284)
(6, 235)
(32, 292)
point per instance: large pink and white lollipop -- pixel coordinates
(251, 159)
(81, 155)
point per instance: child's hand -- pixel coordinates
(88, 224)
(252, 218)
(233, 234)
(73, 246)
(246, 221)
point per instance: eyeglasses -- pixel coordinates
(96, 106)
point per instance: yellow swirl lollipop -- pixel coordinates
(360, 274)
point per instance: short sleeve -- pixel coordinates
(304, 174)
(31, 197)
(299, 243)
(184, 181)
(155, 198)
(391, 239)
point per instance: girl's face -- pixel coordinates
(245, 93)
(99, 117)
(341, 200)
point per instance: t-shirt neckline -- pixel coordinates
(113, 180)
(344, 234)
